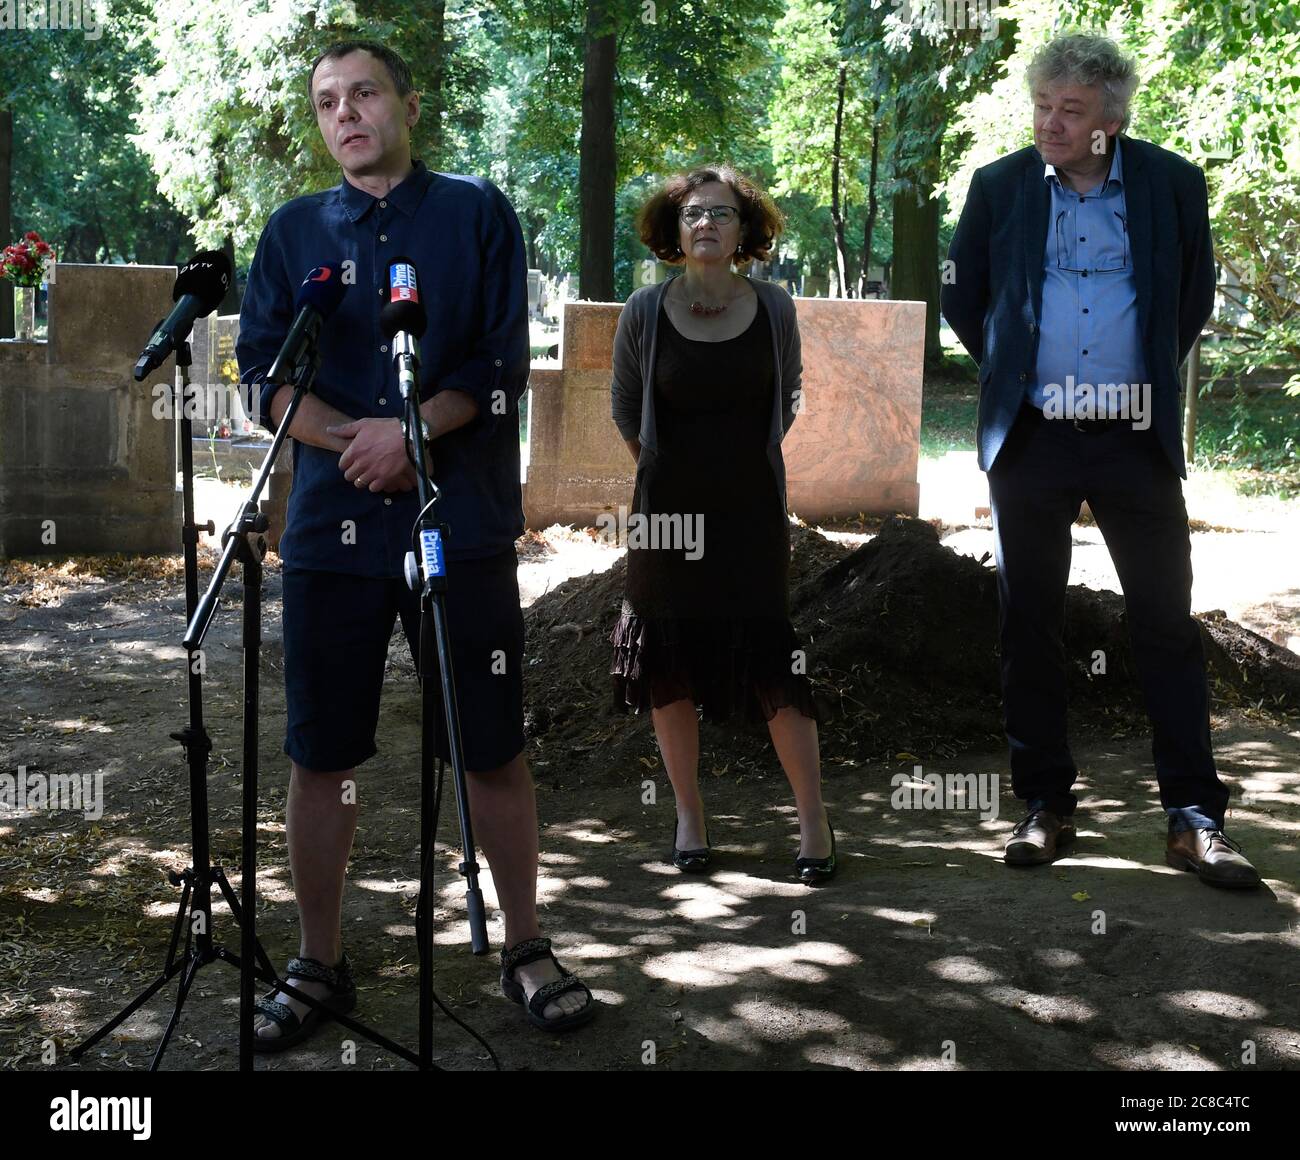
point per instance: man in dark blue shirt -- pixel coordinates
(353, 506)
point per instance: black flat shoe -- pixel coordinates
(813, 871)
(690, 861)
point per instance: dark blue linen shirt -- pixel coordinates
(464, 238)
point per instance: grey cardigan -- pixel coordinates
(634, 370)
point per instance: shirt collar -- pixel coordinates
(406, 196)
(1115, 175)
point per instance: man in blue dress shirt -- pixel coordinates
(353, 505)
(1081, 272)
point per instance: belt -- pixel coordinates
(1087, 426)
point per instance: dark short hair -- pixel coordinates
(760, 220)
(398, 69)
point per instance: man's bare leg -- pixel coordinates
(320, 825)
(503, 807)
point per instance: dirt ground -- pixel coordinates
(925, 952)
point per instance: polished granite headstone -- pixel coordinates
(853, 447)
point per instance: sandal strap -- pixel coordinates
(523, 953)
(279, 1013)
(339, 977)
(564, 985)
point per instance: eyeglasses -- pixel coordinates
(722, 214)
(1110, 263)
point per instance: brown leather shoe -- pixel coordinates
(1213, 857)
(1036, 838)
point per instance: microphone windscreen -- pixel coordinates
(407, 316)
(322, 290)
(207, 276)
(403, 310)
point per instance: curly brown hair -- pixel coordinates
(760, 220)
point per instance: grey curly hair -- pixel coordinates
(1086, 59)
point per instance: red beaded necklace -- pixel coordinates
(701, 308)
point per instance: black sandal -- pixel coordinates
(294, 1028)
(532, 950)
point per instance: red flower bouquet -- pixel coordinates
(23, 263)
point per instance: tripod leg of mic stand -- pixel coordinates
(122, 1016)
(170, 967)
(424, 928)
(252, 643)
(192, 962)
(267, 971)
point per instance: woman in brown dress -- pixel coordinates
(706, 383)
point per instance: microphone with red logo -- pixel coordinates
(403, 321)
(318, 297)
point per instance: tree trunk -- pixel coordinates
(597, 159)
(916, 257)
(837, 215)
(873, 205)
(230, 303)
(6, 222)
(432, 98)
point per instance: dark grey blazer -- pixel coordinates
(995, 301)
(633, 390)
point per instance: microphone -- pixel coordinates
(403, 312)
(318, 297)
(403, 321)
(198, 290)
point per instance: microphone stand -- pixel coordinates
(242, 540)
(194, 911)
(426, 573)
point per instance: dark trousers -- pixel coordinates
(1037, 484)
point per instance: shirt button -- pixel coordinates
(498, 362)
(1085, 310)
(383, 237)
(388, 503)
(1085, 352)
(383, 205)
(384, 349)
(383, 402)
(1085, 273)
(1083, 239)
(1024, 377)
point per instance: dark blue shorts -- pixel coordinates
(337, 630)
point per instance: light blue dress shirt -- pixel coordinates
(1089, 326)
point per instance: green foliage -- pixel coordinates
(692, 85)
(1257, 432)
(76, 176)
(194, 120)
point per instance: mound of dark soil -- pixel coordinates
(902, 643)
